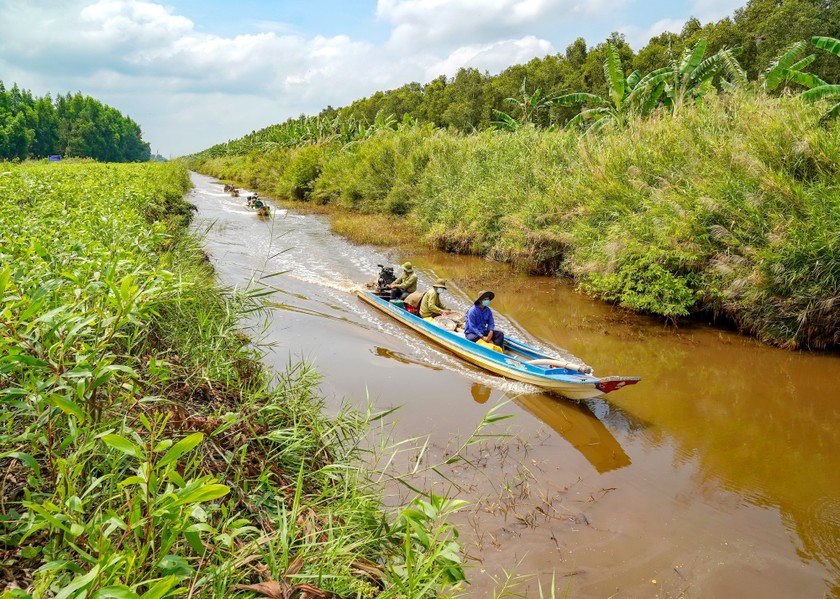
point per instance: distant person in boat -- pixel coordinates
(480, 324)
(405, 285)
(431, 306)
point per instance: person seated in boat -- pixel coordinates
(480, 325)
(405, 285)
(430, 305)
(412, 302)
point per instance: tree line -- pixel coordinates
(471, 100)
(71, 126)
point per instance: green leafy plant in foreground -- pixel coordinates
(146, 453)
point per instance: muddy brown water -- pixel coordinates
(717, 476)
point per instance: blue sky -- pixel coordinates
(194, 73)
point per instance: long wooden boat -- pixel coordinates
(519, 361)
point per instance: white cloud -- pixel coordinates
(714, 10)
(121, 20)
(190, 89)
(455, 23)
(492, 57)
(638, 37)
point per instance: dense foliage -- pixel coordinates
(70, 126)
(469, 100)
(730, 208)
(145, 453)
(705, 191)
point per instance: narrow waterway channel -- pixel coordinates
(716, 476)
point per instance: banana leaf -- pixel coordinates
(808, 80)
(579, 98)
(614, 74)
(735, 72)
(652, 101)
(651, 81)
(774, 74)
(633, 79)
(706, 70)
(829, 44)
(692, 58)
(821, 92)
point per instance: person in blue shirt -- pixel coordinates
(480, 323)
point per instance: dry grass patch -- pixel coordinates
(373, 229)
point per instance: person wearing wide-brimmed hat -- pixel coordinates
(406, 284)
(480, 325)
(430, 305)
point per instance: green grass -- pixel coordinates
(145, 451)
(729, 209)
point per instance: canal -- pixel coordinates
(715, 476)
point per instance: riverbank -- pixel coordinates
(727, 210)
(146, 451)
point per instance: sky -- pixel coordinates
(194, 73)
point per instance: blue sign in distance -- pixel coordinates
(54, 158)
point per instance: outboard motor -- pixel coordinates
(386, 277)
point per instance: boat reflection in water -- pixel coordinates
(575, 422)
(480, 393)
(384, 352)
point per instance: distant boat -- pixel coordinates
(519, 362)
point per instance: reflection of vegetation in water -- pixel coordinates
(759, 421)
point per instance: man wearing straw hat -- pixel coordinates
(405, 285)
(431, 306)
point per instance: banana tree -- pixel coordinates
(530, 105)
(691, 78)
(825, 91)
(627, 96)
(787, 66)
